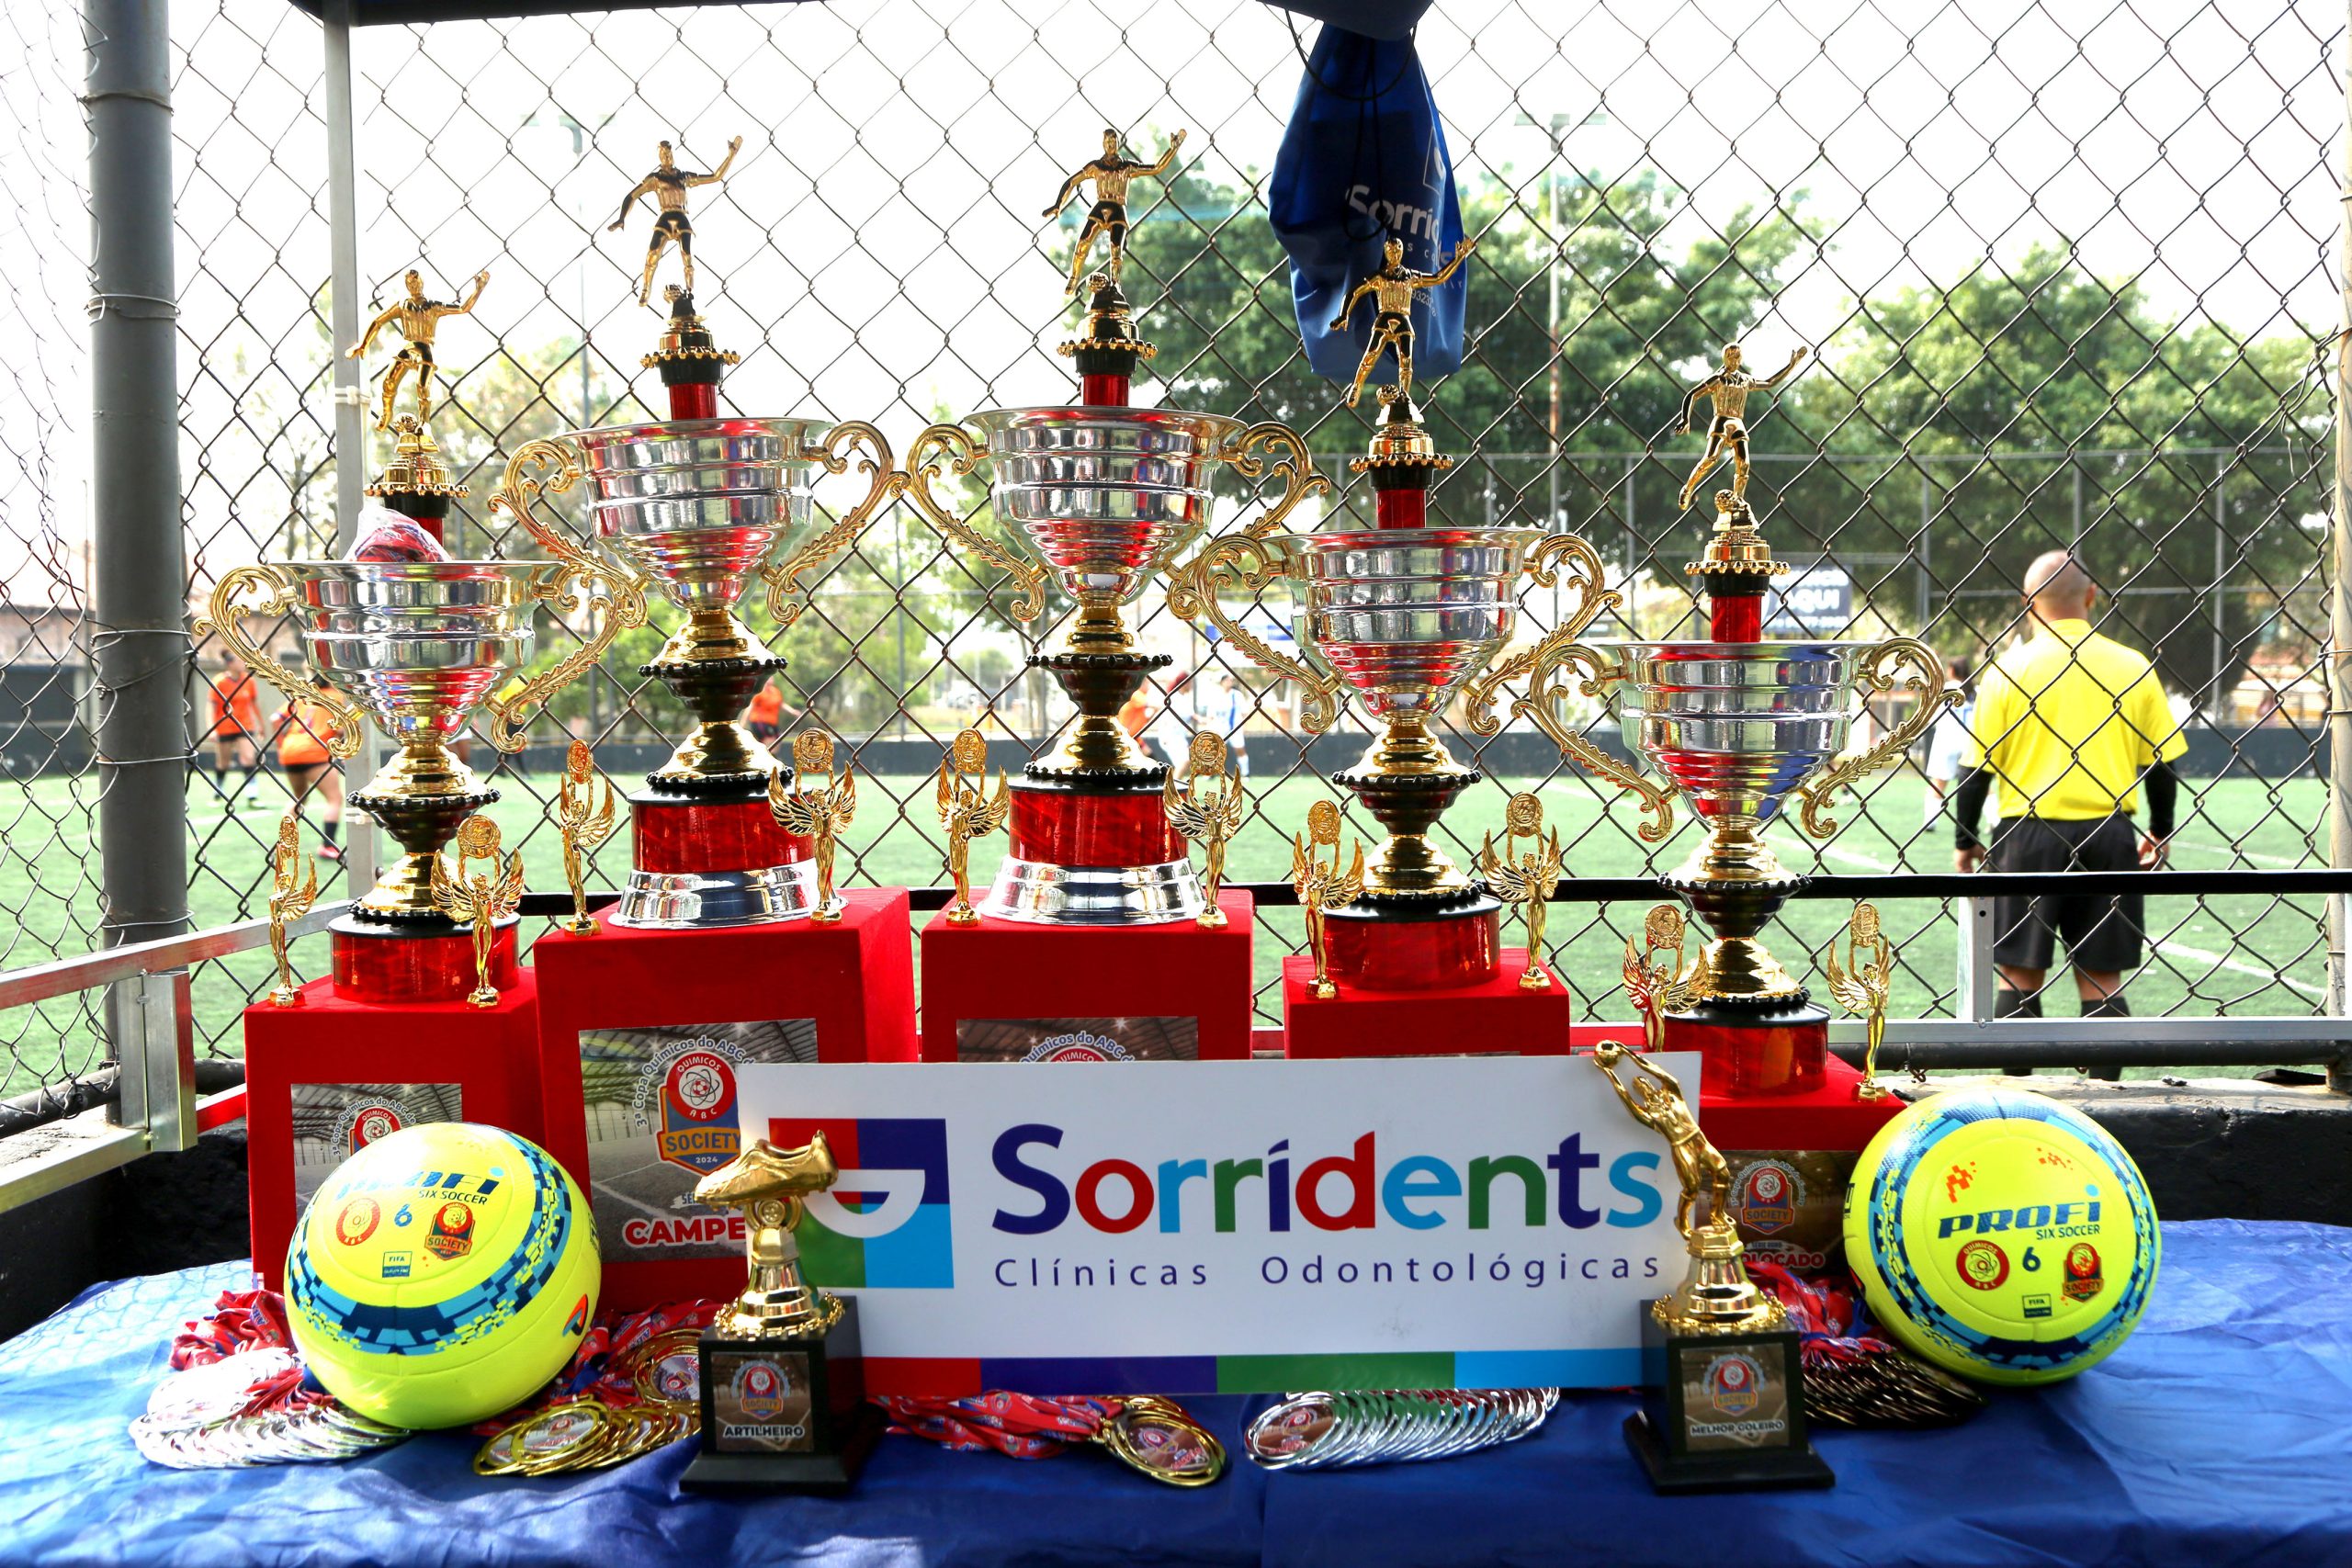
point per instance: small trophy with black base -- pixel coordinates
(783, 1395)
(1723, 1396)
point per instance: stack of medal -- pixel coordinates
(643, 1396)
(1156, 1436)
(1853, 1375)
(236, 1398)
(1324, 1431)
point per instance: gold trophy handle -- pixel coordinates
(1242, 563)
(787, 595)
(1542, 564)
(953, 445)
(276, 596)
(540, 470)
(559, 585)
(1547, 689)
(1296, 467)
(1927, 676)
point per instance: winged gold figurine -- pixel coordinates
(289, 899)
(1210, 821)
(1862, 986)
(1525, 878)
(819, 813)
(1321, 887)
(481, 899)
(968, 811)
(583, 824)
(1661, 986)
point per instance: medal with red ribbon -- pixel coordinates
(1156, 1436)
(1853, 1375)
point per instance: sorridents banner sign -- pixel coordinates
(1233, 1226)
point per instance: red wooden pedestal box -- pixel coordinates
(639, 1034)
(1492, 1018)
(1053, 991)
(360, 1070)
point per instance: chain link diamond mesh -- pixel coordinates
(2064, 276)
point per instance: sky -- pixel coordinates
(877, 251)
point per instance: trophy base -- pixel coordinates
(1092, 822)
(1723, 1412)
(1791, 1158)
(416, 962)
(703, 863)
(626, 1012)
(1011, 989)
(343, 1073)
(1496, 1018)
(1672, 1477)
(785, 1414)
(1755, 1049)
(710, 900)
(1409, 944)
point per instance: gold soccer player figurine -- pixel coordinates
(418, 318)
(1210, 821)
(481, 900)
(820, 812)
(1525, 878)
(1661, 987)
(1108, 216)
(1727, 431)
(771, 1185)
(584, 824)
(1392, 289)
(1657, 1101)
(969, 812)
(1321, 887)
(289, 899)
(668, 185)
(1862, 985)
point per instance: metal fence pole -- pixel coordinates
(140, 636)
(350, 437)
(2339, 672)
(140, 639)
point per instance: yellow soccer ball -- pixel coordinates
(442, 1275)
(2001, 1234)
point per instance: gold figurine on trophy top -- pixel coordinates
(1526, 877)
(1107, 215)
(1210, 821)
(1322, 887)
(1727, 390)
(584, 822)
(481, 899)
(820, 811)
(771, 1185)
(290, 897)
(1862, 986)
(1660, 986)
(968, 811)
(1392, 289)
(668, 185)
(1717, 1296)
(418, 320)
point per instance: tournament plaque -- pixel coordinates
(783, 1396)
(1723, 1399)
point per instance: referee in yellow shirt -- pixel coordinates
(2068, 725)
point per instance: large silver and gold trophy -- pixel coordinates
(1107, 495)
(1406, 615)
(1741, 728)
(697, 506)
(415, 642)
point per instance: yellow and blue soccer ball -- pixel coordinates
(2001, 1235)
(442, 1274)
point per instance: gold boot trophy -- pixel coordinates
(1722, 1384)
(783, 1406)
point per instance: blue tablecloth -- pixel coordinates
(2221, 1435)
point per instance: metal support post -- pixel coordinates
(2339, 638)
(1978, 975)
(140, 639)
(350, 395)
(152, 1023)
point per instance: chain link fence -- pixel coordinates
(2064, 276)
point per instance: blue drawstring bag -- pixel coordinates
(1364, 161)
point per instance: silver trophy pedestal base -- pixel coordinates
(1050, 894)
(658, 900)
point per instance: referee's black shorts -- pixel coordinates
(2102, 932)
